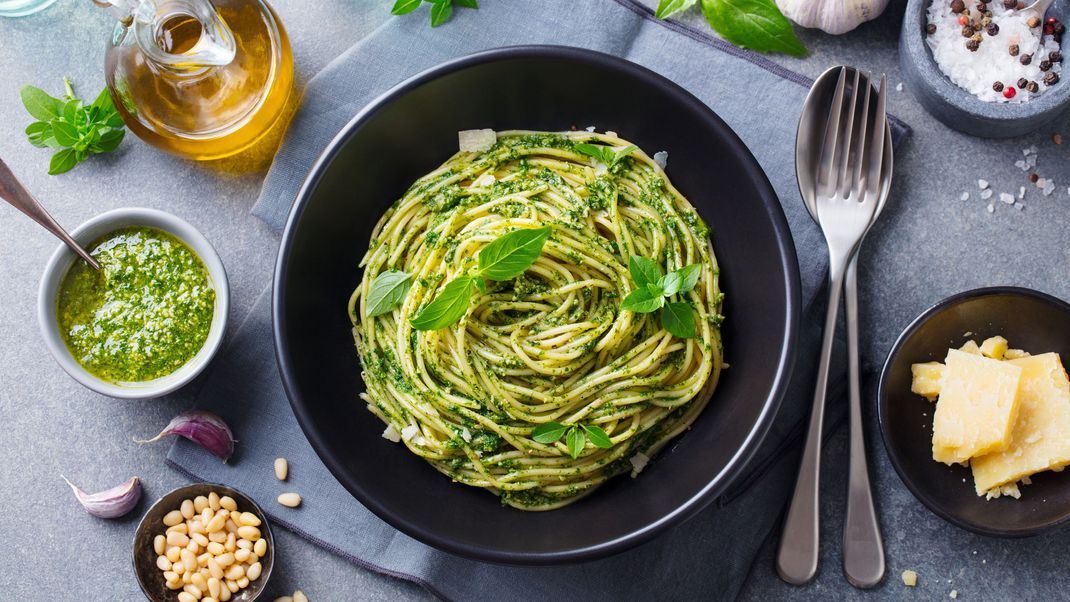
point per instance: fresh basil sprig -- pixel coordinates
(441, 10)
(77, 129)
(576, 436)
(387, 291)
(755, 24)
(651, 291)
(506, 258)
(605, 154)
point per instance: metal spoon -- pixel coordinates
(1037, 9)
(12, 191)
(863, 550)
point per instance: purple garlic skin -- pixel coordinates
(110, 503)
(203, 428)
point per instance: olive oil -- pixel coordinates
(203, 79)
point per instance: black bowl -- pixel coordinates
(1030, 320)
(411, 130)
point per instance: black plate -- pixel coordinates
(1030, 320)
(411, 130)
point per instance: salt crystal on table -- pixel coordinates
(1031, 161)
(1041, 182)
(982, 184)
(986, 193)
(991, 208)
(1022, 165)
(1049, 187)
(1019, 206)
(965, 196)
(1032, 150)
(899, 87)
(1006, 198)
(1021, 192)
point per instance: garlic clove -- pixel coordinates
(110, 503)
(831, 16)
(203, 428)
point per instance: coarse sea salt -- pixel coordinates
(986, 193)
(976, 71)
(1006, 198)
(965, 196)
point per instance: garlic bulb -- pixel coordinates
(831, 16)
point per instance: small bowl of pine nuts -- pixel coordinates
(204, 542)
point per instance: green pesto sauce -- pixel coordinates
(145, 314)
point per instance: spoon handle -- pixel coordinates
(863, 549)
(12, 191)
(798, 553)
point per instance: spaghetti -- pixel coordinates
(552, 345)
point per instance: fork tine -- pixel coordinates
(861, 156)
(846, 142)
(876, 146)
(826, 163)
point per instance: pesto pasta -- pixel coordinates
(546, 386)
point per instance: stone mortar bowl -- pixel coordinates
(957, 108)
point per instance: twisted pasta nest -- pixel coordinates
(552, 344)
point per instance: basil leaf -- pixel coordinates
(645, 299)
(681, 280)
(624, 152)
(441, 11)
(103, 102)
(668, 8)
(679, 319)
(644, 271)
(755, 24)
(450, 305)
(598, 152)
(38, 133)
(388, 291)
(404, 7)
(548, 432)
(39, 104)
(66, 134)
(512, 254)
(575, 440)
(63, 161)
(467, 3)
(109, 141)
(598, 437)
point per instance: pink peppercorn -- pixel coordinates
(1009, 92)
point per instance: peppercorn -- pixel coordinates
(963, 20)
(1033, 22)
(930, 28)
(1013, 49)
(972, 45)
(1010, 4)
(1045, 65)
(992, 29)
(1049, 29)
(967, 31)
(957, 6)
(1022, 82)
(1058, 29)
(1033, 87)
(1033, 177)
(1055, 56)
(1025, 59)
(997, 86)
(1009, 92)
(1051, 78)
(1057, 138)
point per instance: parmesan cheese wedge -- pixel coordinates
(1040, 439)
(977, 407)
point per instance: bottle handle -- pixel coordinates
(216, 46)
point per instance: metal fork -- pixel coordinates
(848, 186)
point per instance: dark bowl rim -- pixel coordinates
(772, 402)
(901, 466)
(1051, 103)
(265, 528)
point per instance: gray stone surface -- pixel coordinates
(928, 245)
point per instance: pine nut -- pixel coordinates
(235, 572)
(186, 509)
(282, 468)
(202, 560)
(243, 582)
(170, 576)
(213, 587)
(232, 586)
(245, 544)
(230, 545)
(186, 597)
(174, 553)
(200, 503)
(215, 569)
(228, 502)
(200, 582)
(242, 555)
(300, 597)
(200, 539)
(235, 516)
(218, 536)
(260, 547)
(215, 548)
(213, 501)
(250, 519)
(179, 528)
(224, 593)
(178, 568)
(163, 563)
(290, 500)
(224, 560)
(158, 544)
(173, 585)
(206, 515)
(194, 590)
(172, 518)
(232, 527)
(194, 547)
(187, 578)
(175, 538)
(254, 571)
(217, 523)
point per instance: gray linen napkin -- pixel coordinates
(708, 558)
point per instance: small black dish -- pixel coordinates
(408, 132)
(150, 577)
(1030, 320)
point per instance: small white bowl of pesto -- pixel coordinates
(150, 320)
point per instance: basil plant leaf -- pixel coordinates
(681, 280)
(595, 151)
(644, 300)
(598, 437)
(549, 432)
(468, 3)
(576, 439)
(512, 254)
(449, 306)
(39, 104)
(644, 271)
(679, 319)
(755, 24)
(404, 7)
(63, 161)
(668, 8)
(441, 11)
(388, 290)
(624, 152)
